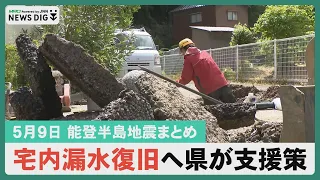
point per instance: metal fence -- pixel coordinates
(280, 59)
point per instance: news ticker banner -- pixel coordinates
(105, 131)
(142, 148)
(159, 159)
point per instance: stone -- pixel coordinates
(81, 69)
(39, 75)
(129, 106)
(26, 105)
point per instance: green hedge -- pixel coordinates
(14, 71)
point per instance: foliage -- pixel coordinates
(283, 21)
(14, 68)
(93, 27)
(162, 50)
(229, 74)
(254, 11)
(156, 20)
(174, 46)
(242, 35)
(246, 69)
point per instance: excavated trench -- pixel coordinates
(142, 96)
(233, 116)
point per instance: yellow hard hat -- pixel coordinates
(185, 42)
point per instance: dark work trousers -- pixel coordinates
(223, 94)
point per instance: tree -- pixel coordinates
(156, 20)
(93, 27)
(285, 21)
(14, 72)
(242, 35)
(254, 12)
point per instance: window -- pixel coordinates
(144, 42)
(232, 16)
(196, 18)
(141, 42)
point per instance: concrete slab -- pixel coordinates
(270, 115)
(76, 108)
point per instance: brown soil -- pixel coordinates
(260, 132)
(271, 93)
(233, 116)
(240, 91)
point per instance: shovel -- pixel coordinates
(215, 101)
(259, 106)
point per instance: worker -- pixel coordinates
(200, 67)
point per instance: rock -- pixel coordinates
(26, 105)
(81, 69)
(233, 115)
(168, 103)
(40, 76)
(131, 78)
(129, 106)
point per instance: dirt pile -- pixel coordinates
(168, 103)
(260, 132)
(233, 116)
(240, 91)
(27, 106)
(271, 93)
(81, 69)
(40, 78)
(128, 106)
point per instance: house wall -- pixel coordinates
(222, 15)
(182, 21)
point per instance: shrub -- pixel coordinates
(242, 35)
(14, 71)
(246, 69)
(229, 74)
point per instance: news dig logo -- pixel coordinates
(32, 15)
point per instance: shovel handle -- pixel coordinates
(183, 86)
